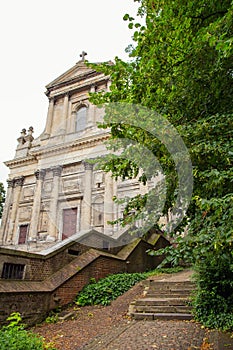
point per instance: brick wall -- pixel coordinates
(39, 268)
(35, 298)
(32, 306)
(99, 268)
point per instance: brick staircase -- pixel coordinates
(166, 299)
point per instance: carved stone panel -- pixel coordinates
(47, 188)
(43, 223)
(71, 184)
(28, 192)
(25, 214)
(72, 169)
(45, 206)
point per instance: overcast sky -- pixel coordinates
(40, 40)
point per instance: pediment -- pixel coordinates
(79, 70)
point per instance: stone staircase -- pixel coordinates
(165, 298)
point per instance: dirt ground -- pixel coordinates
(88, 322)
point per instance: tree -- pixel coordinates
(181, 69)
(2, 198)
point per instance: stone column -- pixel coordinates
(91, 110)
(65, 112)
(87, 197)
(108, 204)
(33, 230)
(18, 183)
(49, 120)
(53, 224)
(6, 210)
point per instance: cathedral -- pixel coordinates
(54, 191)
(55, 230)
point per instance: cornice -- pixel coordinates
(20, 161)
(75, 145)
(86, 80)
(73, 87)
(57, 149)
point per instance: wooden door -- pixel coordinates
(23, 230)
(69, 222)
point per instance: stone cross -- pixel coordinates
(82, 55)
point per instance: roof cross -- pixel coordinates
(82, 55)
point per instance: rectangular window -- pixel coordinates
(69, 222)
(13, 271)
(23, 230)
(73, 252)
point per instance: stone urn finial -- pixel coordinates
(30, 130)
(21, 140)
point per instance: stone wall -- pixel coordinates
(55, 279)
(36, 302)
(33, 306)
(39, 267)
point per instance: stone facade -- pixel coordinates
(53, 191)
(58, 207)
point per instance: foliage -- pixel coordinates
(52, 318)
(161, 270)
(107, 289)
(179, 71)
(213, 302)
(15, 337)
(181, 68)
(112, 286)
(2, 198)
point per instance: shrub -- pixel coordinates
(112, 286)
(213, 301)
(15, 337)
(53, 316)
(108, 288)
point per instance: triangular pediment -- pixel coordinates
(79, 70)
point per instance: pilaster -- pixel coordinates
(33, 230)
(65, 112)
(6, 210)
(108, 204)
(18, 183)
(87, 197)
(53, 224)
(49, 120)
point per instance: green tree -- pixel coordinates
(181, 68)
(2, 198)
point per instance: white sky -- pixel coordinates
(42, 39)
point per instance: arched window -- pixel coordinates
(81, 119)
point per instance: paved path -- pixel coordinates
(161, 335)
(151, 335)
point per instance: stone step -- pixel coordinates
(162, 301)
(171, 289)
(162, 309)
(162, 316)
(167, 284)
(150, 294)
(171, 286)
